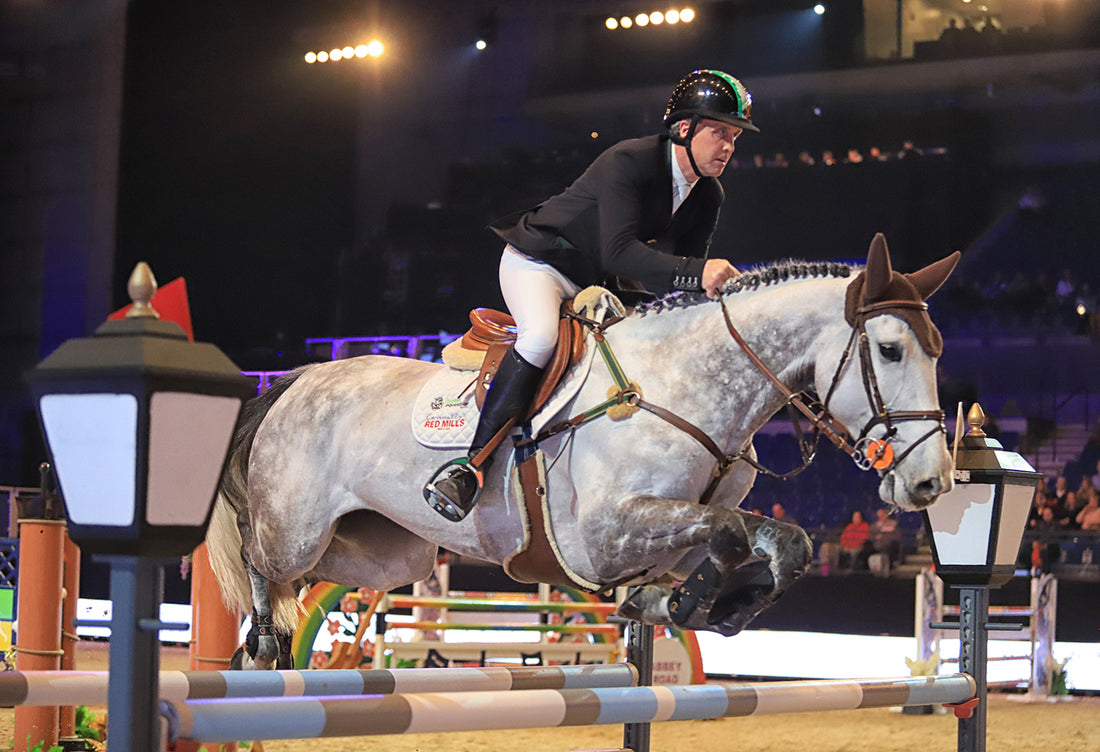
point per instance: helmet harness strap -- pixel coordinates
(685, 141)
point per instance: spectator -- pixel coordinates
(1089, 516)
(1059, 496)
(875, 154)
(1075, 502)
(805, 159)
(854, 157)
(855, 545)
(1065, 288)
(779, 513)
(1049, 551)
(909, 150)
(950, 35)
(827, 158)
(1096, 477)
(885, 536)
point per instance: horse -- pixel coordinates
(324, 478)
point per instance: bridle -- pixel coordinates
(867, 452)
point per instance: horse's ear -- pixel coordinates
(929, 279)
(879, 272)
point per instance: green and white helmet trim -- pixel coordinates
(710, 94)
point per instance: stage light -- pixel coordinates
(375, 48)
(480, 44)
(335, 54)
(311, 57)
(361, 50)
(348, 52)
(322, 56)
(819, 9)
(651, 18)
(594, 135)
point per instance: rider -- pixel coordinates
(644, 210)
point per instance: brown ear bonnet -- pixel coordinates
(874, 289)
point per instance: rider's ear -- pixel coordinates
(879, 272)
(929, 279)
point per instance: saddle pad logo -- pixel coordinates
(445, 413)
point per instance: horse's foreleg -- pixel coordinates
(662, 525)
(785, 552)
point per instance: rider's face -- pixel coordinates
(712, 146)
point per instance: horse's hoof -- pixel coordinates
(647, 604)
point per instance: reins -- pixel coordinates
(866, 452)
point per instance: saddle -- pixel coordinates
(490, 335)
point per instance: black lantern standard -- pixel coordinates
(138, 422)
(976, 531)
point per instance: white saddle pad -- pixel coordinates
(445, 413)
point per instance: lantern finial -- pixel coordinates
(141, 287)
(976, 419)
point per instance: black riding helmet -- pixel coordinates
(711, 95)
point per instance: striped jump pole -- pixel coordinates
(90, 687)
(607, 630)
(494, 604)
(311, 717)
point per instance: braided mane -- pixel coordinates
(782, 271)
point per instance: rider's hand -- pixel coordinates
(715, 273)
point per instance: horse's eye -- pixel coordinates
(890, 353)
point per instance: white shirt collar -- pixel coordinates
(680, 185)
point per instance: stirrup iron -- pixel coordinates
(443, 504)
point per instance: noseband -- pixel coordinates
(867, 452)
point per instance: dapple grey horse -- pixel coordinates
(324, 478)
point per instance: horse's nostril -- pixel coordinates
(928, 489)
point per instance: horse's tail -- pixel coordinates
(223, 539)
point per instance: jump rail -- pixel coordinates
(90, 687)
(311, 717)
(495, 604)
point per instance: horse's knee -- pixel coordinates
(730, 544)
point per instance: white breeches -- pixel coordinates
(534, 292)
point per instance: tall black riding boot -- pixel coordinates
(511, 392)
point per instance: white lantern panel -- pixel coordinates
(93, 438)
(189, 435)
(1015, 508)
(961, 523)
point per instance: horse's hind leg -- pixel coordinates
(265, 646)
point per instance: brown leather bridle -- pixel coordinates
(866, 452)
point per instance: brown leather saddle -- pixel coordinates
(495, 331)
